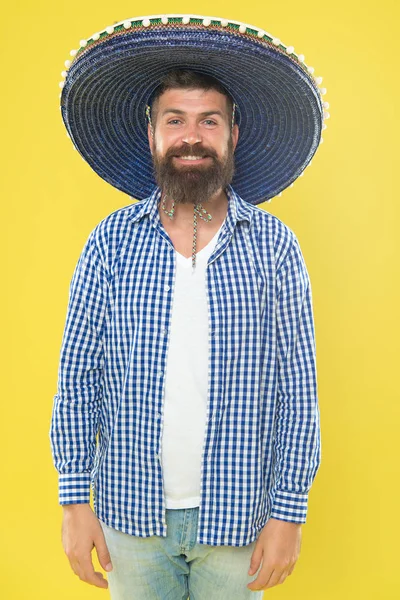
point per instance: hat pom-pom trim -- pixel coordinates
(123, 27)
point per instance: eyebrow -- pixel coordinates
(207, 113)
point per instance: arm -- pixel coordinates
(297, 444)
(297, 450)
(74, 422)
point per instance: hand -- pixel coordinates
(81, 531)
(279, 546)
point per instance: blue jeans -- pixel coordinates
(176, 567)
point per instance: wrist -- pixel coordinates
(74, 507)
(298, 525)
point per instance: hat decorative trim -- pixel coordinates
(243, 33)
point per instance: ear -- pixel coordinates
(235, 135)
(150, 138)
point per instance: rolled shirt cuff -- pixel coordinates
(74, 488)
(290, 506)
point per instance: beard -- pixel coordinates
(193, 183)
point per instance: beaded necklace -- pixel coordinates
(197, 211)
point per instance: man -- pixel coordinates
(200, 382)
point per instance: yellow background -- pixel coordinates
(346, 216)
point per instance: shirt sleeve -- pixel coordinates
(76, 406)
(297, 444)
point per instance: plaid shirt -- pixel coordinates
(261, 447)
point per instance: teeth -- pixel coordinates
(191, 157)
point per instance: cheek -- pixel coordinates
(157, 143)
(165, 141)
(221, 148)
(218, 142)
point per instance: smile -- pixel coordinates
(193, 159)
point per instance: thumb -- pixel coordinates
(103, 553)
(255, 559)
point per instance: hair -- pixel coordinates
(187, 79)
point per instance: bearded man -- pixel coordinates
(189, 345)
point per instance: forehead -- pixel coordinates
(192, 100)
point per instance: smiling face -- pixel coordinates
(193, 145)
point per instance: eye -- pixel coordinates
(172, 120)
(210, 121)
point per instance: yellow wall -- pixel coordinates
(345, 214)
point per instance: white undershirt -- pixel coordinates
(186, 383)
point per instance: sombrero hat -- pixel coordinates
(112, 76)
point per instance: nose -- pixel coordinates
(191, 135)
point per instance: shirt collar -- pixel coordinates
(238, 209)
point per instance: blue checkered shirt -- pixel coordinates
(261, 448)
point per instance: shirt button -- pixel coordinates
(166, 288)
(160, 373)
(165, 331)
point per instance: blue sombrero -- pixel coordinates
(112, 76)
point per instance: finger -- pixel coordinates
(261, 580)
(255, 559)
(100, 577)
(283, 577)
(75, 564)
(89, 575)
(102, 552)
(274, 580)
(75, 567)
(95, 578)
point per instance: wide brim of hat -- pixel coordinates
(109, 84)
